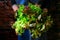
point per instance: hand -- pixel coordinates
(15, 8)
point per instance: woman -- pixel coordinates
(26, 35)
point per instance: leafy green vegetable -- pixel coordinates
(32, 19)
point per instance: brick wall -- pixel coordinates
(6, 16)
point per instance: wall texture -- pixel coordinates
(6, 16)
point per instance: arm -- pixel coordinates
(14, 6)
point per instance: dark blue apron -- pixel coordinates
(25, 36)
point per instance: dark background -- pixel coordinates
(6, 16)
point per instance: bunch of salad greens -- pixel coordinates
(32, 18)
